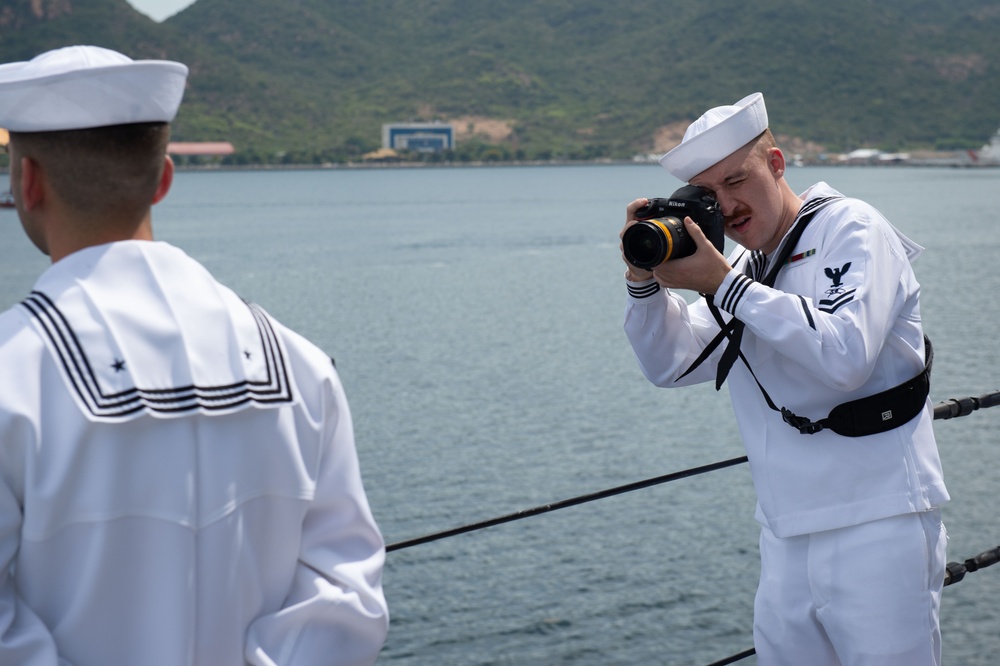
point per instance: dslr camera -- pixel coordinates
(660, 235)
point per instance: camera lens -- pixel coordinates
(649, 243)
(644, 245)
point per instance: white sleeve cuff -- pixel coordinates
(643, 289)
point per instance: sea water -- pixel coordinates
(475, 317)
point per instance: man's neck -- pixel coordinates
(81, 234)
(791, 205)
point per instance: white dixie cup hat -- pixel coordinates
(719, 133)
(79, 87)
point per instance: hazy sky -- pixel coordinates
(160, 9)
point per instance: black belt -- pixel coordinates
(865, 416)
(876, 413)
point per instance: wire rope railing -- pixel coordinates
(573, 501)
(955, 571)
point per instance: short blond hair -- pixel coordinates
(764, 143)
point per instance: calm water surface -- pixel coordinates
(475, 316)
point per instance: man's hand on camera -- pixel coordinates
(703, 271)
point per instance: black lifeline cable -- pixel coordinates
(538, 510)
(951, 408)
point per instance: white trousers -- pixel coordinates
(866, 595)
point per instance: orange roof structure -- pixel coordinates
(174, 147)
(200, 148)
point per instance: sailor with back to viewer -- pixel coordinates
(178, 477)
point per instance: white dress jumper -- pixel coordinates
(178, 478)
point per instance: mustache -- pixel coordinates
(737, 214)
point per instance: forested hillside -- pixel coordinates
(551, 79)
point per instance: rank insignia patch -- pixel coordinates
(837, 295)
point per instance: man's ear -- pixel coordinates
(166, 180)
(776, 160)
(32, 184)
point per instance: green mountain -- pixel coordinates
(538, 79)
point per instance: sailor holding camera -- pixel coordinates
(815, 320)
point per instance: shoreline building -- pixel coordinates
(418, 137)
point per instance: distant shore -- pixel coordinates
(942, 159)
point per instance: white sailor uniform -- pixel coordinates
(178, 478)
(842, 322)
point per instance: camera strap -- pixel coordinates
(865, 416)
